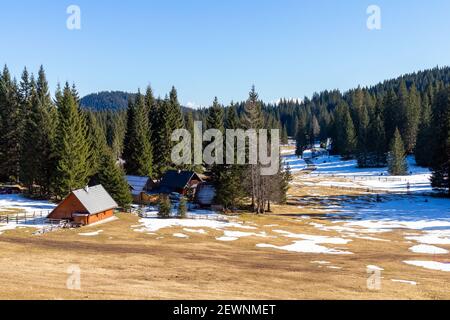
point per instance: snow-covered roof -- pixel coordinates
(137, 184)
(95, 199)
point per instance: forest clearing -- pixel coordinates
(318, 246)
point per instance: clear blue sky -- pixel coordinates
(287, 48)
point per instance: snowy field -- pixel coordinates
(11, 204)
(17, 203)
(295, 163)
(376, 179)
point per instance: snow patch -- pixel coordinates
(180, 235)
(90, 234)
(423, 248)
(413, 283)
(375, 268)
(431, 265)
(200, 231)
(305, 246)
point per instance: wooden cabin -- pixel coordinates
(85, 206)
(181, 182)
(140, 187)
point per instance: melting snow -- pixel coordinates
(423, 248)
(432, 265)
(17, 202)
(305, 246)
(91, 234)
(180, 235)
(413, 283)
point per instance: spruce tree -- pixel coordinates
(441, 147)
(182, 208)
(165, 207)
(72, 146)
(229, 188)
(302, 136)
(11, 128)
(215, 118)
(284, 136)
(163, 135)
(97, 142)
(346, 140)
(411, 120)
(425, 137)
(138, 153)
(112, 178)
(44, 135)
(397, 165)
(377, 142)
(363, 156)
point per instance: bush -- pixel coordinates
(164, 207)
(182, 208)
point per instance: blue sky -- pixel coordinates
(287, 48)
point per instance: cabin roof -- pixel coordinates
(95, 199)
(137, 184)
(178, 179)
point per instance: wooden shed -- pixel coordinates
(85, 206)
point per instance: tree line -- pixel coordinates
(53, 146)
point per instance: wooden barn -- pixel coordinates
(139, 188)
(181, 182)
(85, 206)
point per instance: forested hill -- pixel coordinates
(107, 100)
(110, 101)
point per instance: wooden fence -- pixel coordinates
(24, 218)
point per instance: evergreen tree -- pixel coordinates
(284, 136)
(44, 134)
(363, 156)
(215, 118)
(346, 139)
(97, 142)
(182, 208)
(176, 116)
(112, 178)
(302, 135)
(425, 136)
(441, 147)
(165, 207)
(411, 120)
(72, 146)
(377, 142)
(229, 191)
(11, 128)
(397, 156)
(138, 150)
(163, 135)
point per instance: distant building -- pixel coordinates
(181, 182)
(85, 206)
(139, 187)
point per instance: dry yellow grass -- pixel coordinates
(121, 263)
